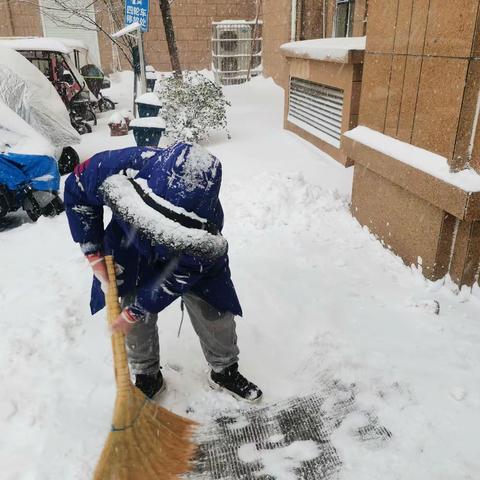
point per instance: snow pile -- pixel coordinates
(281, 200)
(149, 98)
(117, 119)
(122, 198)
(424, 160)
(324, 49)
(149, 122)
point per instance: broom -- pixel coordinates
(146, 441)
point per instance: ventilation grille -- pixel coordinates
(316, 109)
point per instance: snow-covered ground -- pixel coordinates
(325, 304)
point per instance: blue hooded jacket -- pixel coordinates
(158, 258)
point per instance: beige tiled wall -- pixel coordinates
(421, 85)
(416, 85)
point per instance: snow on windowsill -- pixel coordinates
(419, 158)
(324, 49)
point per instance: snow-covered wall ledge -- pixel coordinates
(336, 50)
(419, 171)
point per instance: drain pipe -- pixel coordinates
(324, 13)
(293, 28)
(471, 144)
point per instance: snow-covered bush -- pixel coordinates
(192, 107)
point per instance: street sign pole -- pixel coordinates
(143, 81)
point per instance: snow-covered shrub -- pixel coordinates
(192, 107)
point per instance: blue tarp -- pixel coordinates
(38, 171)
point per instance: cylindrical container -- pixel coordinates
(148, 105)
(148, 131)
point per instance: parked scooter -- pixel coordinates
(30, 108)
(30, 182)
(96, 80)
(52, 58)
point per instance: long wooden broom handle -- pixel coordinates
(120, 362)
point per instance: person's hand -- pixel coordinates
(125, 321)
(99, 267)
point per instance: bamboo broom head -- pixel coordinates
(146, 441)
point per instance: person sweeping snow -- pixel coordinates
(165, 236)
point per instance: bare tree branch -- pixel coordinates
(85, 18)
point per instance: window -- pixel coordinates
(309, 21)
(344, 18)
(43, 65)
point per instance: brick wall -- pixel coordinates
(192, 20)
(19, 18)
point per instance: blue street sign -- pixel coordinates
(137, 11)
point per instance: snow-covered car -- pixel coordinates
(26, 91)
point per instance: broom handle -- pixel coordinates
(120, 362)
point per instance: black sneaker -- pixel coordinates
(232, 381)
(150, 385)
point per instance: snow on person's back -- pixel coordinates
(194, 166)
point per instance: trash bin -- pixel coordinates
(148, 105)
(151, 78)
(148, 131)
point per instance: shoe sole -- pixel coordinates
(219, 388)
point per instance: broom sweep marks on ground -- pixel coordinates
(286, 441)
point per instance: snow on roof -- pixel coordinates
(71, 43)
(230, 22)
(149, 98)
(416, 157)
(149, 122)
(326, 49)
(128, 29)
(35, 43)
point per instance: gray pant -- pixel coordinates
(216, 331)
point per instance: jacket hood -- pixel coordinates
(187, 176)
(173, 200)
